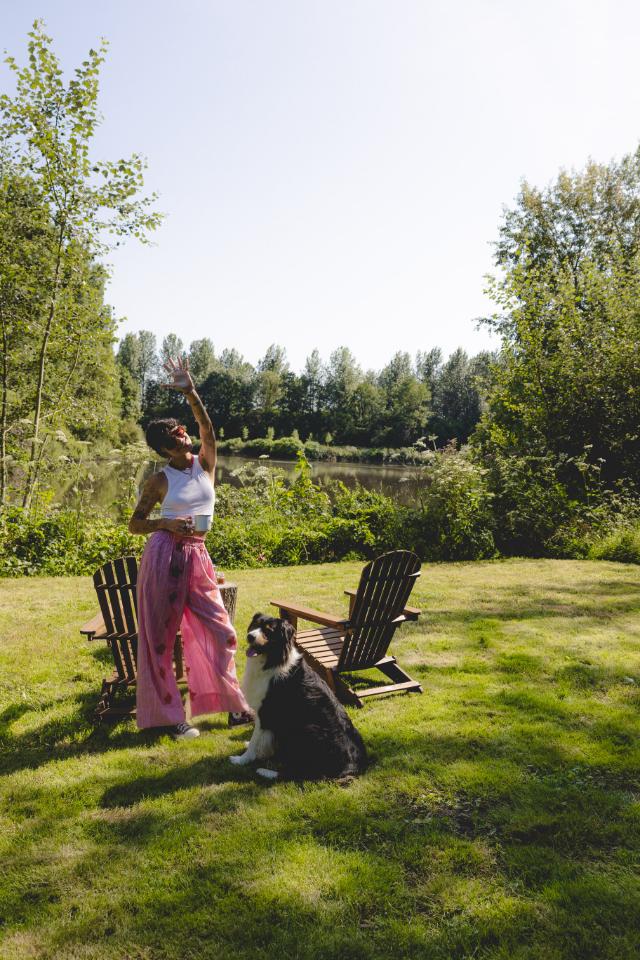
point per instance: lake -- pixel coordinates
(110, 481)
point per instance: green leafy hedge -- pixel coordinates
(460, 512)
(289, 448)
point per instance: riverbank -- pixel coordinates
(289, 448)
(499, 817)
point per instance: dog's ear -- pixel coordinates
(289, 630)
(255, 617)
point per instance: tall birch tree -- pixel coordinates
(83, 206)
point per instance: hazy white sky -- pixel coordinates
(334, 170)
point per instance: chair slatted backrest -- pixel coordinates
(385, 586)
(116, 584)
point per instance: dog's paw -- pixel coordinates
(240, 760)
(267, 774)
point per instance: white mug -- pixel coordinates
(202, 522)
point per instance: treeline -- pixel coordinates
(546, 458)
(330, 402)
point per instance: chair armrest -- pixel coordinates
(409, 613)
(94, 629)
(306, 613)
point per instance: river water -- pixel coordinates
(111, 482)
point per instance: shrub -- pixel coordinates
(622, 545)
(286, 448)
(257, 446)
(61, 544)
(455, 519)
(530, 503)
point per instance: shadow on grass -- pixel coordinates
(71, 735)
(335, 874)
(205, 772)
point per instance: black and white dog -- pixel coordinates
(299, 721)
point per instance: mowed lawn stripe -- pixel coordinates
(500, 817)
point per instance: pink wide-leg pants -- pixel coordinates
(177, 590)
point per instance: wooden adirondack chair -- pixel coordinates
(117, 623)
(376, 610)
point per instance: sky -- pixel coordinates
(333, 172)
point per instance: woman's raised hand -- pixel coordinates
(178, 370)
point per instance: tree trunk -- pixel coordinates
(33, 468)
(3, 415)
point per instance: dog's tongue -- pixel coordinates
(251, 652)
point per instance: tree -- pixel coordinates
(312, 383)
(428, 366)
(137, 355)
(582, 217)
(567, 384)
(24, 255)
(366, 411)
(270, 370)
(172, 346)
(456, 399)
(46, 129)
(341, 379)
(202, 359)
(231, 394)
(232, 360)
(275, 360)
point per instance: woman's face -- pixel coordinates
(181, 440)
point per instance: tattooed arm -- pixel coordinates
(181, 380)
(154, 492)
(207, 433)
(151, 494)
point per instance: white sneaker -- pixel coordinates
(184, 731)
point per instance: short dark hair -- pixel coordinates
(158, 434)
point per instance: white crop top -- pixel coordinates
(189, 492)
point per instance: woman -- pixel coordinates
(177, 586)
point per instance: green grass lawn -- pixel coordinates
(499, 819)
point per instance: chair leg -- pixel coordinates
(390, 667)
(343, 692)
(106, 708)
(402, 682)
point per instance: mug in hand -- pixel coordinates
(202, 522)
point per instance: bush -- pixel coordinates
(622, 545)
(530, 504)
(275, 520)
(258, 446)
(455, 520)
(62, 544)
(286, 448)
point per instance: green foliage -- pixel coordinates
(202, 359)
(60, 210)
(568, 381)
(621, 544)
(272, 520)
(286, 448)
(336, 400)
(455, 520)
(60, 544)
(530, 502)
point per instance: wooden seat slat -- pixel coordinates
(376, 610)
(94, 628)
